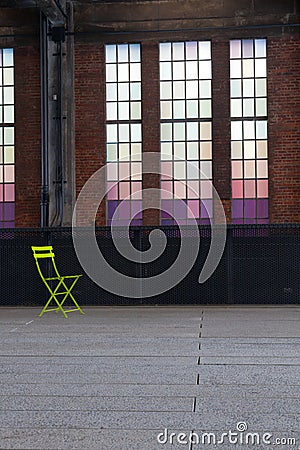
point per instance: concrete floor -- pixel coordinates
(116, 378)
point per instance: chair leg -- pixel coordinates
(69, 294)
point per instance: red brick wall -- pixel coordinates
(284, 128)
(27, 136)
(90, 135)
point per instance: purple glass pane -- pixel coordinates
(180, 210)
(250, 209)
(204, 221)
(193, 209)
(165, 215)
(136, 222)
(8, 225)
(8, 211)
(206, 209)
(237, 221)
(1, 211)
(167, 206)
(168, 222)
(181, 221)
(250, 221)
(262, 208)
(263, 221)
(111, 207)
(124, 210)
(237, 209)
(136, 208)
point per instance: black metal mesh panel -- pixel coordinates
(260, 265)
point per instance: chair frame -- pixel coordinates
(47, 252)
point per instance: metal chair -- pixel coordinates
(56, 285)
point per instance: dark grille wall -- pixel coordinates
(260, 265)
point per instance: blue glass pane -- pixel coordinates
(8, 57)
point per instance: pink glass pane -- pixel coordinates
(249, 169)
(112, 171)
(166, 186)
(124, 188)
(262, 169)
(112, 193)
(180, 189)
(193, 189)
(250, 189)
(124, 171)
(166, 169)
(250, 209)
(237, 189)
(9, 174)
(262, 188)
(136, 190)
(136, 171)
(237, 169)
(194, 209)
(1, 190)
(206, 189)
(237, 209)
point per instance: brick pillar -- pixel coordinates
(284, 129)
(221, 123)
(150, 118)
(90, 133)
(27, 136)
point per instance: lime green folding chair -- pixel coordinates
(57, 285)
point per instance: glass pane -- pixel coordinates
(178, 51)
(124, 133)
(179, 150)
(204, 70)
(249, 132)
(261, 106)
(192, 89)
(235, 69)
(123, 74)
(261, 87)
(249, 169)
(111, 72)
(236, 150)
(249, 186)
(135, 91)
(262, 188)
(249, 149)
(112, 152)
(237, 169)
(206, 189)
(248, 107)
(165, 52)
(135, 72)
(124, 152)
(136, 132)
(111, 91)
(1, 174)
(192, 131)
(112, 189)
(136, 171)
(8, 76)
(192, 150)
(134, 51)
(191, 70)
(166, 90)
(260, 48)
(111, 111)
(166, 131)
(136, 152)
(205, 89)
(205, 108)
(178, 71)
(205, 150)
(261, 149)
(192, 109)
(237, 189)
(167, 170)
(178, 89)
(166, 189)
(123, 91)
(205, 169)
(236, 131)
(179, 131)
(112, 171)
(235, 49)
(179, 170)
(179, 109)
(166, 151)
(262, 208)
(112, 133)
(8, 57)
(8, 114)
(193, 208)
(248, 88)
(191, 50)
(135, 108)
(260, 68)
(9, 192)
(8, 136)
(261, 129)
(205, 131)
(110, 53)
(250, 209)
(122, 53)
(236, 108)
(193, 170)
(204, 50)
(166, 110)
(179, 189)
(247, 48)
(248, 68)
(123, 111)
(165, 71)
(8, 95)
(9, 174)
(262, 168)
(124, 190)
(235, 88)
(193, 189)
(136, 188)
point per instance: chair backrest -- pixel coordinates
(42, 253)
